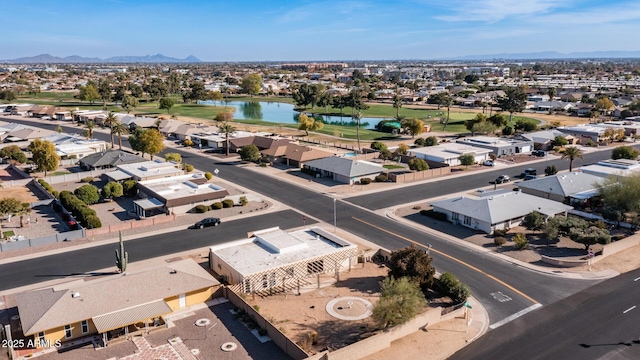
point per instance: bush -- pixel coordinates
(243, 201)
(458, 291)
(433, 214)
(365, 181)
(521, 241)
(92, 222)
(500, 232)
(418, 164)
(187, 143)
(249, 153)
(379, 146)
(202, 208)
(88, 194)
(228, 203)
(129, 188)
(420, 142)
(112, 190)
(208, 176)
(550, 170)
(55, 193)
(87, 179)
(216, 205)
(381, 178)
(187, 168)
(431, 141)
(499, 240)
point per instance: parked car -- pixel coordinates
(539, 153)
(46, 118)
(502, 179)
(529, 171)
(529, 177)
(206, 222)
(488, 163)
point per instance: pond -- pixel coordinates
(282, 113)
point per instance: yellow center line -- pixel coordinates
(454, 259)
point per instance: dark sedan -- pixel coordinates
(206, 222)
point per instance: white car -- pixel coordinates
(488, 163)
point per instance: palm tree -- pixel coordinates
(571, 153)
(397, 104)
(226, 129)
(120, 129)
(111, 120)
(90, 125)
(357, 116)
(551, 92)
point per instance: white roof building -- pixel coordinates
(271, 259)
(606, 168)
(496, 209)
(449, 153)
(145, 170)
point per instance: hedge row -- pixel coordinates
(86, 216)
(48, 187)
(228, 203)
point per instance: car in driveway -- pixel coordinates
(489, 163)
(539, 153)
(502, 179)
(206, 222)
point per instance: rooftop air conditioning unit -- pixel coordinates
(75, 295)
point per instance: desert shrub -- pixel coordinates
(418, 164)
(216, 205)
(202, 208)
(187, 143)
(228, 203)
(112, 190)
(458, 291)
(499, 240)
(46, 186)
(243, 201)
(434, 214)
(87, 179)
(599, 224)
(500, 232)
(365, 181)
(55, 193)
(88, 194)
(92, 222)
(208, 175)
(521, 241)
(129, 187)
(187, 168)
(381, 178)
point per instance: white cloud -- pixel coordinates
(495, 10)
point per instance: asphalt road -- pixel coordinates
(600, 322)
(502, 287)
(84, 262)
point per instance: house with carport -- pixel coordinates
(100, 309)
(449, 153)
(500, 146)
(494, 210)
(567, 187)
(343, 169)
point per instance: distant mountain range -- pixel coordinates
(47, 58)
(552, 55)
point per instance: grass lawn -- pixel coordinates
(390, 167)
(6, 234)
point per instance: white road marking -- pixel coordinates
(636, 279)
(629, 309)
(499, 296)
(514, 316)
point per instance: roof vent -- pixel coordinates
(75, 295)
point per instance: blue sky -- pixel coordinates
(248, 30)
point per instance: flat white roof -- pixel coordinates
(489, 140)
(275, 248)
(449, 150)
(149, 168)
(176, 187)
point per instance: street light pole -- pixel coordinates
(334, 216)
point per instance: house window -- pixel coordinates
(67, 331)
(467, 220)
(85, 326)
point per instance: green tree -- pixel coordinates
(514, 101)
(467, 159)
(156, 89)
(624, 152)
(166, 103)
(413, 126)
(471, 123)
(551, 91)
(119, 129)
(224, 116)
(497, 119)
(249, 153)
(112, 190)
(521, 241)
(378, 146)
(9, 206)
(402, 149)
(533, 221)
(88, 194)
(431, 141)
(89, 126)
(153, 142)
(442, 99)
(110, 121)
(43, 154)
(227, 129)
(214, 96)
(129, 103)
(560, 141)
(417, 164)
(13, 152)
(104, 89)
(400, 300)
(621, 192)
(175, 157)
(453, 287)
(613, 214)
(550, 231)
(483, 128)
(89, 93)
(197, 92)
(550, 170)
(397, 104)
(413, 263)
(307, 123)
(251, 84)
(604, 105)
(571, 153)
(590, 236)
